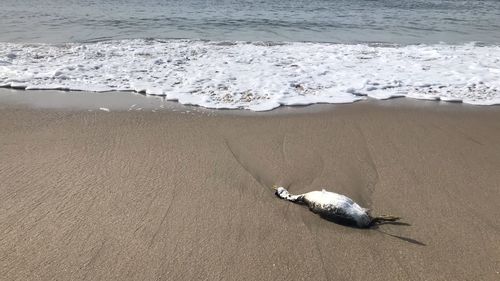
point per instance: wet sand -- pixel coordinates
(142, 195)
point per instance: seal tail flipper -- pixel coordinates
(384, 218)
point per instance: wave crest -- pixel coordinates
(258, 76)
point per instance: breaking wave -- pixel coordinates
(258, 76)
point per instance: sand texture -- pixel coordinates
(168, 196)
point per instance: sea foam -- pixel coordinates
(258, 76)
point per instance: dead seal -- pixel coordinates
(335, 207)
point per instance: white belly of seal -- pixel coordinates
(330, 199)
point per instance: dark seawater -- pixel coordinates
(340, 21)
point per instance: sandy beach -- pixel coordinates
(177, 195)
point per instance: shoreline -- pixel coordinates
(162, 195)
(256, 76)
(133, 101)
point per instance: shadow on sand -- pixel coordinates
(406, 239)
(376, 227)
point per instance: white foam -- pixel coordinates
(258, 76)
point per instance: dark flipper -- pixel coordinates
(384, 218)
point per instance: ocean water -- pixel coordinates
(256, 55)
(338, 21)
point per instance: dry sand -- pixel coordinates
(168, 196)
